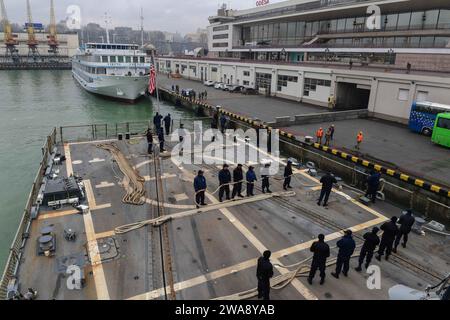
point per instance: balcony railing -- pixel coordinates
(299, 8)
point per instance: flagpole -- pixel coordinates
(156, 80)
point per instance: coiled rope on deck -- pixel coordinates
(135, 193)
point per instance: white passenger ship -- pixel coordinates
(119, 71)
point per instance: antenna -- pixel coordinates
(142, 27)
(106, 26)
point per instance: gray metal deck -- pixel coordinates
(214, 253)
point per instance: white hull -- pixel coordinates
(118, 87)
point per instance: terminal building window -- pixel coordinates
(246, 73)
(220, 45)
(403, 21)
(444, 19)
(220, 36)
(221, 28)
(311, 85)
(283, 81)
(431, 19)
(298, 32)
(263, 80)
(403, 94)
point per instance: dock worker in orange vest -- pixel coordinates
(319, 136)
(359, 139)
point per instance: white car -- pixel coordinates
(219, 85)
(209, 83)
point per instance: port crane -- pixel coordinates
(52, 36)
(33, 52)
(12, 53)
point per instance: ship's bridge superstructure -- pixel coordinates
(111, 59)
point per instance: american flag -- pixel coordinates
(152, 82)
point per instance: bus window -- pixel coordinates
(441, 132)
(443, 123)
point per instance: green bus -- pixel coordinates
(441, 131)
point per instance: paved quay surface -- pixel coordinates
(394, 144)
(252, 106)
(389, 142)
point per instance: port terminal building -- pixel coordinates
(341, 54)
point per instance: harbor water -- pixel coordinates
(31, 104)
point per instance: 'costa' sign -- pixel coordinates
(262, 3)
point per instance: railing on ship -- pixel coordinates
(15, 254)
(105, 131)
(59, 136)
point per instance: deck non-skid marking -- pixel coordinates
(106, 234)
(105, 184)
(251, 263)
(164, 176)
(56, 214)
(96, 160)
(300, 287)
(67, 154)
(180, 197)
(91, 198)
(346, 196)
(304, 291)
(101, 287)
(284, 252)
(143, 163)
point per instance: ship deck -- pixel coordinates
(209, 254)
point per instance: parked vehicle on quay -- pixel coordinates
(249, 91)
(423, 116)
(219, 85)
(236, 88)
(186, 92)
(441, 130)
(209, 83)
(227, 87)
